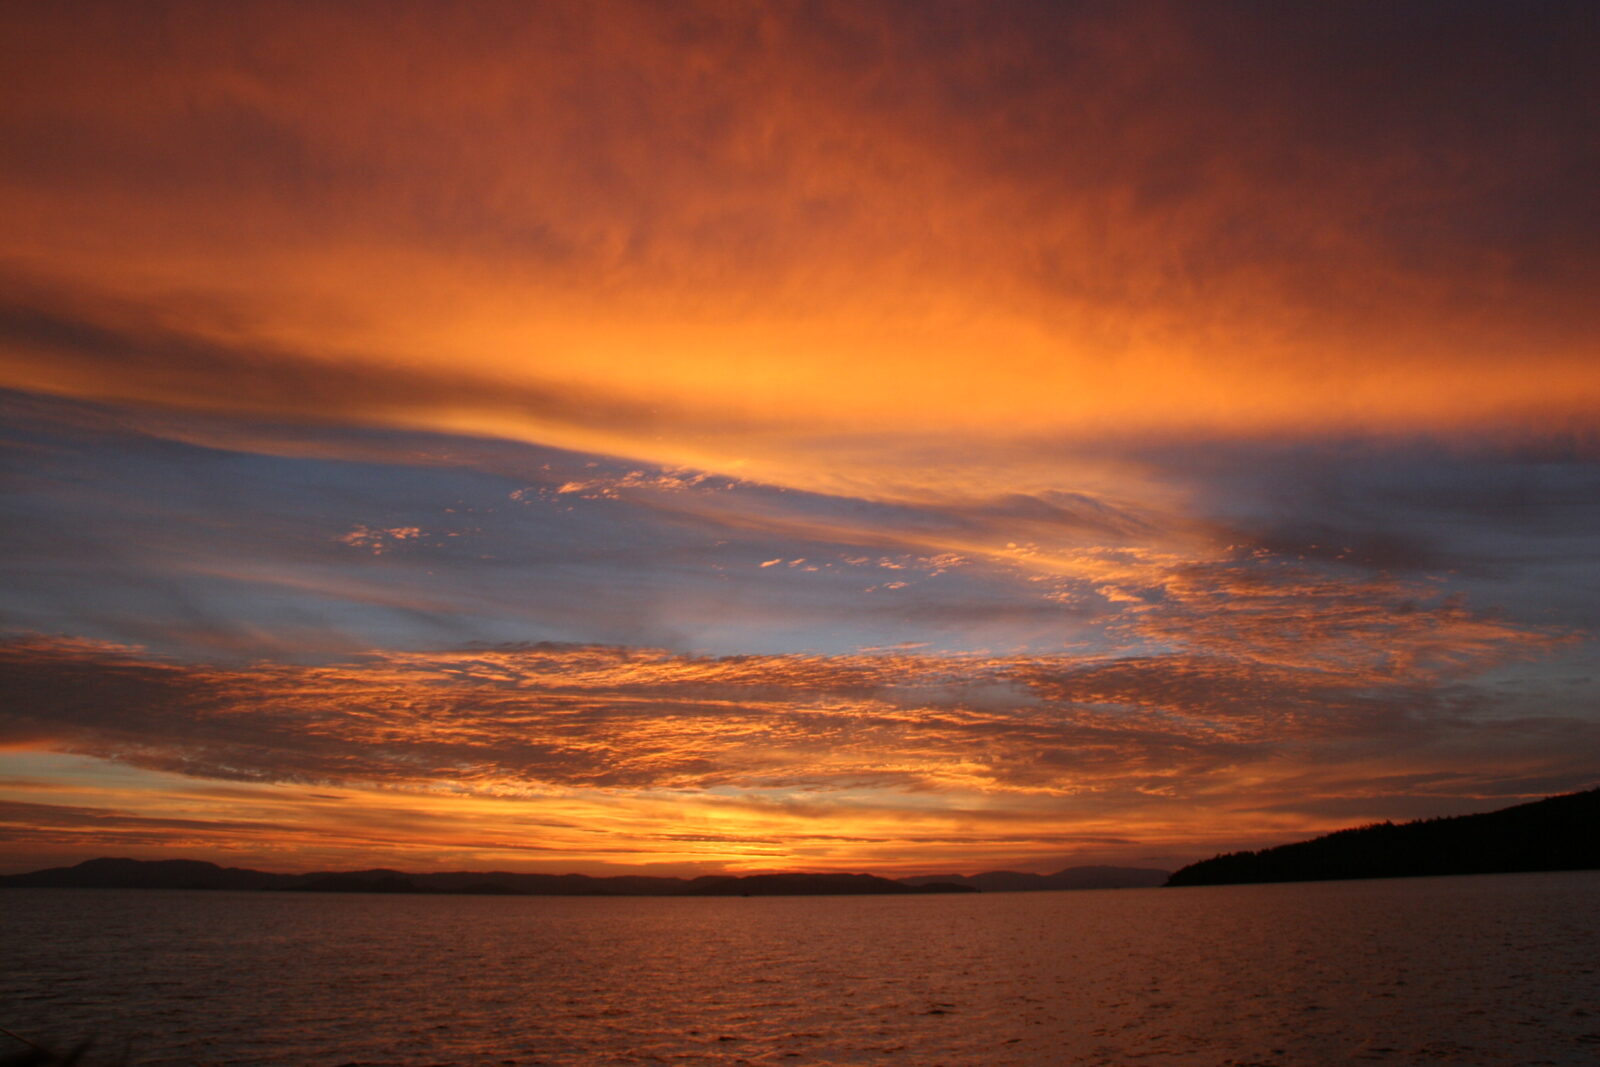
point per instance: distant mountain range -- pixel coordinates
(1555, 834)
(196, 874)
(1071, 878)
(1559, 833)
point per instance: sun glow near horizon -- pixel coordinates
(611, 437)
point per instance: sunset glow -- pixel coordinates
(683, 438)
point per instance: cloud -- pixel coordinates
(1282, 614)
(125, 352)
(1266, 668)
(900, 759)
(716, 241)
(1207, 406)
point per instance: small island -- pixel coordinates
(1560, 833)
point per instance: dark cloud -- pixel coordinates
(19, 820)
(1371, 549)
(103, 349)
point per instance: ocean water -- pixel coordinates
(1495, 969)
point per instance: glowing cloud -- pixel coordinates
(632, 229)
(831, 434)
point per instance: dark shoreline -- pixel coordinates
(1560, 833)
(198, 874)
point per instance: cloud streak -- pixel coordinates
(911, 729)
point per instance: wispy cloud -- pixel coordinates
(1254, 700)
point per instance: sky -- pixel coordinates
(727, 437)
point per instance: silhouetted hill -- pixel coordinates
(194, 874)
(766, 885)
(1070, 878)
(358, 883)
(566, 885)
(1556, 834)
(150, 874)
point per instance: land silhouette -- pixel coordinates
(1554, 834)
(198, 874)
(1071, 878)
(110, 873)
(1560, 833)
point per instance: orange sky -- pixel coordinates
(703, 237)
(1126, 314)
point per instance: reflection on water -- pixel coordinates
(1496, 969)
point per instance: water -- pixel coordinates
(1498, 969)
